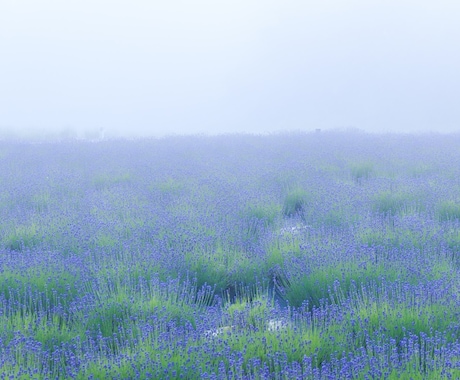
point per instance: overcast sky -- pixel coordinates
(171, 66)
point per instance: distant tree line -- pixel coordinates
(64, 133)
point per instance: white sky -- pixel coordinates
(171, 66)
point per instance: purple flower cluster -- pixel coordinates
(291, 256)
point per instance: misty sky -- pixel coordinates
(170, 66)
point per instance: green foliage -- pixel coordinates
(294, 339)
(258, 217)
(51, 332)
(22, 237)
(50, 329)
(390, 237)
(330, 169)
(420, 170)
(449, 210)
(223, 268)
(337, 217)
(5, 201)
(126, 272)
(41, 201)
(361, 171)
(391, 203)
(415, 371)
(378, 238)
(285, 246)
(333, 282)
(388, 203)
(333, 218)
(266, 212)
(38, 288)
(105, 369)
(109, 317)
(208, 269)
(441, 268)
(295, 201)
(104, 240)
(275, 259)
(453, 240)
(105, 180)
(397, 318)
(251, 307)
(171, 187)
(176, 299)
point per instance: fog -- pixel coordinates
(207, 66)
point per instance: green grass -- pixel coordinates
(374, 312)
(22, 237)
(389, 237)
(266, 212)
(295, 201)
(223, 268)
(38, 289)
(334, 218)
(210, 269)
(127, 270)
(174, 361)
(258, 218)
(448, 210)
(391, 203)
(50, 329)
(333, 282)
(253, 313)
(414, 371)
(283, 247)
(420, 170)
(105, 180)
(361, 171)
(337, 217)
(105, 240)
(330, 169)
(178, 300)
(170, 186)
(41, 202)
(294, 343)
(453, 240)
(110, 316)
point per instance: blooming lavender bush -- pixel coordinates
(290, 256)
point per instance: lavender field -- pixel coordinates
(331, 255)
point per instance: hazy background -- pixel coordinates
(162, 67)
